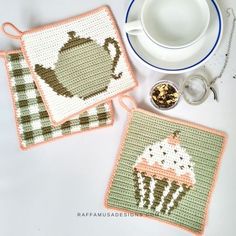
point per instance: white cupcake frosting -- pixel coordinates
(169, 156)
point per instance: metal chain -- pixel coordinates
(229, 12)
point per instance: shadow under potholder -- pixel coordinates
(32, 120)
(165, 169)
(77, 63)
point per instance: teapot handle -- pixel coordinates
(117, 56)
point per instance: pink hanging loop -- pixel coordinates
(6, 26)
(123, 102)
(2, 53)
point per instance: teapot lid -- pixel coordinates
(74, 41)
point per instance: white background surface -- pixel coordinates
(42, 190)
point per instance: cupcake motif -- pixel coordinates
(163, 174)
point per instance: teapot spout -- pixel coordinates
(49, 76)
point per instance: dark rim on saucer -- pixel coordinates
(189, 67)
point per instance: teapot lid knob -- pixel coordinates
(74, 41)
(72, 34)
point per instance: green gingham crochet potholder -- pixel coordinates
(32, 120)
(166, 170)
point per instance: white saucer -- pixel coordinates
(173, 61)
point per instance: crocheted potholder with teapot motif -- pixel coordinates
(77, 63)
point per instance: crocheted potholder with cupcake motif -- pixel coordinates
(166, 169)
(33, 123)
(77, 63)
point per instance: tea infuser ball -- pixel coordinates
(196, 89)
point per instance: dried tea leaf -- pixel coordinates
(165, 95)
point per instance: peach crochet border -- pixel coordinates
(115, 26)
(4, 54)
(178, 121)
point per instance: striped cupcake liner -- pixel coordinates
(160, 195)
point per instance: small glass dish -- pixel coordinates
(164, 95)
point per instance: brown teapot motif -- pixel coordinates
(84, 68)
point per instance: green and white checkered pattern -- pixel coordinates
(32, 118)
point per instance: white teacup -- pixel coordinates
(172, 23)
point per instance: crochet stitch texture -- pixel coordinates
(78, 63)
(33, 122)
(166, 170)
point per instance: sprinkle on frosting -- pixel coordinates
(167, 159)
